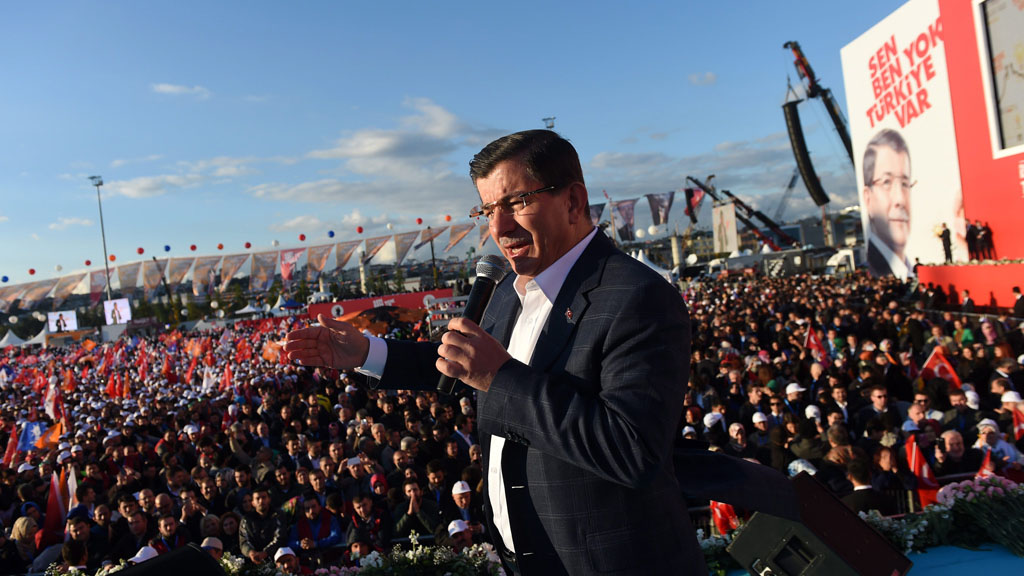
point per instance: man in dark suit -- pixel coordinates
(1018, 303)
(580, 364)
(864, 497)
(887, 184)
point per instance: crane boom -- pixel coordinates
(786, 194)
(816, 90)
(743, 215)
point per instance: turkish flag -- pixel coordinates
(927, 486)
(724, 516)
(986, 468)
(1018, 425)
(938, 366)
(813, 343)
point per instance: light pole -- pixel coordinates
(97, 181)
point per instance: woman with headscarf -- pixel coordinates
(24, 535)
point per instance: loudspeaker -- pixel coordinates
(803, 159)
(190, 560)
(830, 540)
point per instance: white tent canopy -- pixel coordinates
(249, 309)
(642, 257)
(11, 339)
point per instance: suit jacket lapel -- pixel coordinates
(572, 301)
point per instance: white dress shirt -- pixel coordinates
(537, 297)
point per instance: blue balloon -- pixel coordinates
(167, 248)
(330, 233)
(4, 278)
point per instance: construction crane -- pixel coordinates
(744, 213)
(786, 194)
(815, 90)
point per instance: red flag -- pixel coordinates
(53, 526)
(927, 487)
(69, 380)
(112, 386)
(125, 390)
(937, 366)
(813, 343)
(724, 516)
(1018, 425)
(12, 447)
(986, 469)
(191, 369)
(226, 380)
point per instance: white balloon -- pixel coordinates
(13, 319)
(275, 243)
(390, 226)
(652, 229)
(220, 313)
(214, 304)
(58, 267)
(640, 234)
(691, 259)
(184, 311)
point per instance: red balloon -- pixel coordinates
(419, 221)
(302, 237)
(220, 246)
(447, 218)
(248, 245)
(359, 229)
(88, 262)
(140, 250)
(192, 247)
(113, 257)
(31, 271)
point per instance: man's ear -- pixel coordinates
(578, 202)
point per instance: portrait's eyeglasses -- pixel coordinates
(513, 204)
(886, 183)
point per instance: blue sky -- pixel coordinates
(234, 122)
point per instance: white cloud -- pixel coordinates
(3, 218)
(34, 236)
(179, 90)
(149, 186)
(63, 223)
(305, 223)
(705, 79)
(125, 161)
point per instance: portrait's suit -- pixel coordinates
(590, 422)
(877, 264)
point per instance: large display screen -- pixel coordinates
(117, 311)
(61, 321)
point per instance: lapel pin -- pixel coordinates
(568, 314)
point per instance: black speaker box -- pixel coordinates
(803, 158)
(190, 560)
(830, 541)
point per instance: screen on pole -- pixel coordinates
(61, 321)
(117, 311)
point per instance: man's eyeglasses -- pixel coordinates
(509, 205)
(885, 183)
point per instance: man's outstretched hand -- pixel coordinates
(334, 344)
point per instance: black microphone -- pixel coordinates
(489, 271)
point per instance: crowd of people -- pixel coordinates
(210, 438)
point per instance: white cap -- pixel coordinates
(1011, 396)
(144, 553)
(909, 426)
(77, 448)
(190, 429)
(688, 430)
(25, 467)
(988, 423)
(973, 400)
(813, 412)
(63, 456)
(283, 551)
(350, 389)
(212, 542)
(759, 417)
(457, 526)
(712, 418)
(800, 465)
(461, 487)
(794, 387)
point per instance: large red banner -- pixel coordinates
(414, 300)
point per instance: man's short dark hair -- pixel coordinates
(858, 471)
(547, 157)
(74, 553)
(889, 138)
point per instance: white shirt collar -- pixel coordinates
(551, 279)
(899, 266)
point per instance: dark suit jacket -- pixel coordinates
(589, 422)
(1018, 308)
(866, 500)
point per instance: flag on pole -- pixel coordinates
(51, 438)
(724, 516)
(986, 469)
(56, 514)
(927, 486)
(1018, 425)
(30, 434)
(813, 343)
(938, 366)
(12, 447)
